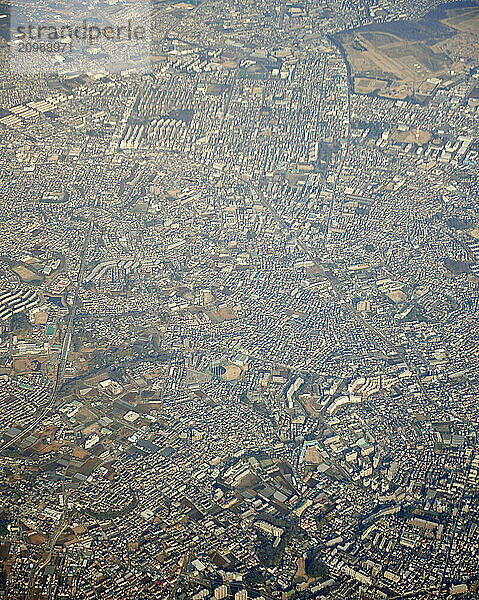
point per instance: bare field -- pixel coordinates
(412, 136)
(466, 19)
(395, 60)
(25, 274)
(232, 372)
(221, 314)
(365, 85)
(392, 89)
(398, 60)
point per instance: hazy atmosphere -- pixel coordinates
(239, 300)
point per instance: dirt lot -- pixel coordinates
(221, 314)
(26, 364)
(26, 274)
(366, 85)
(412, 136)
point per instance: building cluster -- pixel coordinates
(239, 320)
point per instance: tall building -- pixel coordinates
(221, 592)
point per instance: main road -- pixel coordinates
(320, 266)
(64, 350)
